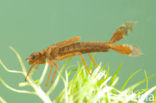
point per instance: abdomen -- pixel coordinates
(85, 47)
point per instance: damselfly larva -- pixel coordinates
(72, 47)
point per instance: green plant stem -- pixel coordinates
(2, 100)
(39, 92)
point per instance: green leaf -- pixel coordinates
(123, 87)
(115, 75)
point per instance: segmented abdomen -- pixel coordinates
(85, 47)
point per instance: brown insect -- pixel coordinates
(72, 47)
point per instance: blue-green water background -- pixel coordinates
(32, 25)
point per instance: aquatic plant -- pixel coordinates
(100, 87)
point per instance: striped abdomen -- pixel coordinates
(85, 47)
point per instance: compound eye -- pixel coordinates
(33, 57)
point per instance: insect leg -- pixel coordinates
(51, 69)
(37, 66)
(84, 63)
(91, 58)
(73, 54)
(29, 71)
(56, 65)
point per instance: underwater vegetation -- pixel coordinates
(100, 87)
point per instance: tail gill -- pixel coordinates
(127, 49)
(122, 31)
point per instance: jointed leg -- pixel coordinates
(51, 69)
(29, 71)
(84, 63)
(56, 65)
(73, 54)
(37, 66)
(51, 65)
(91, 58)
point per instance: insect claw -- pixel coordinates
(26, 78)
